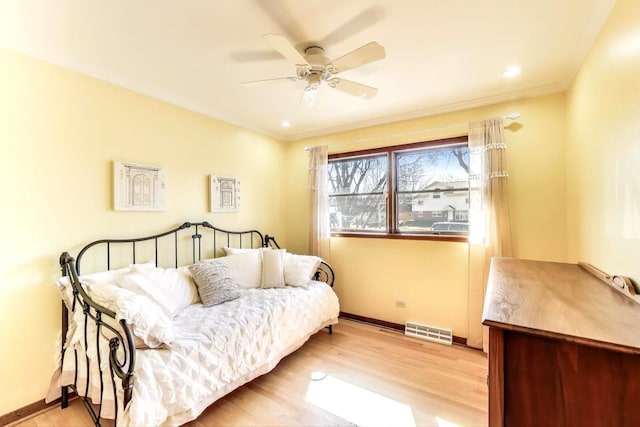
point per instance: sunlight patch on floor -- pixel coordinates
(444, 423)
(356, 404)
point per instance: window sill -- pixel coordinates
(404, 236)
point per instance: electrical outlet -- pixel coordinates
(401, 304)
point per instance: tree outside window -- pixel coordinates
(358, 188)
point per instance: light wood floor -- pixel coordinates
(360, 375)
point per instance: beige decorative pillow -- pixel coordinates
(234, 251)
(246, 268)
(299, 269)
(273, 268)
(215, 282)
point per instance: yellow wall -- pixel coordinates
(603, 148)
(60, 132)
(574, 190)
(432, 276)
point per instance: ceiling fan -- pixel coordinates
(314, 67)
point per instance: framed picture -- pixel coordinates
(138, 187)
(224, 193)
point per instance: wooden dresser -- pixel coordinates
(564, 347)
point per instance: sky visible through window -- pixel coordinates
(417, 170)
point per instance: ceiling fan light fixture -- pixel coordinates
(309, 96)
(314, 80)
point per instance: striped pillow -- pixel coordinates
(215, 282)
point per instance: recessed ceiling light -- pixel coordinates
(511, 71)
(285, 124)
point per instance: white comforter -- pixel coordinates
(219, 348)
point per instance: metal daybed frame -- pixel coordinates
(206, 241)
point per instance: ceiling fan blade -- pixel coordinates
(356, 24)
(363, 55)
(284, 46)
(353, 88)
(282, 15)
(267, 81)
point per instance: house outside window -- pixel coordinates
(462, 216)
(402, 190)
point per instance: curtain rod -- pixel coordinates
(511, 116)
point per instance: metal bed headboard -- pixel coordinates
(218, 239)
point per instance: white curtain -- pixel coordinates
(319, 232)
(489, 223)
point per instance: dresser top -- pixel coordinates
(562, 301)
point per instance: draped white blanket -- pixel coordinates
(217, 349)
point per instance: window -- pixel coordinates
(358, 190)
(402, 190)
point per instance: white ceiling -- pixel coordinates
(440, 55)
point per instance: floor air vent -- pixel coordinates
(429, 333)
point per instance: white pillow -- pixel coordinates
(175, 283)
(299, 269)
(235, 251)
(104, 277)
(246, 268)
(142, 285)
(101, 277)
(111, 276)
(150, 263)
(148, 320)
(273, 268)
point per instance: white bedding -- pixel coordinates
(219, 348)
